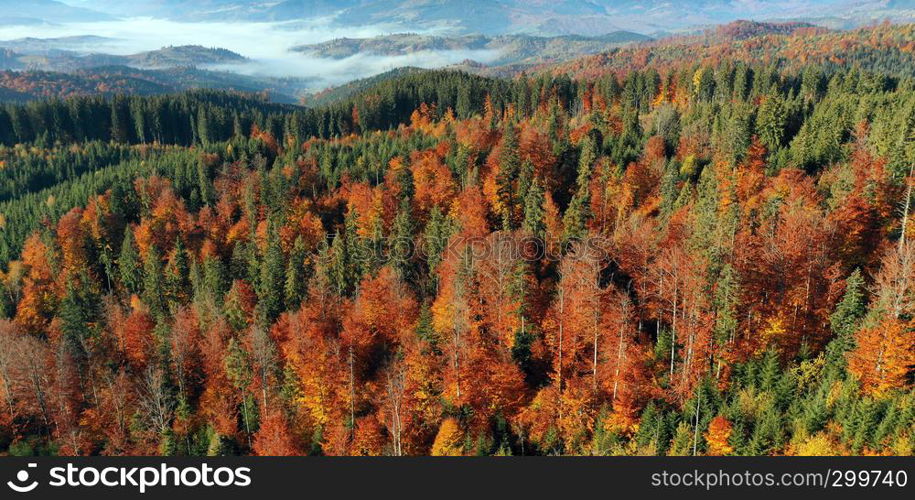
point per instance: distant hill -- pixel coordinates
(225, 10)
(44, 54)
(883, 48)
(38, 11)
(535, 17)
(10, 59)
(507, 49)
(32, 45)
(342, 92)
(24, 85)
(107, 80)
(742, 29)
(184, 55)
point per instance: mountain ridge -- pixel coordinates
(541, 17)
(511, 48)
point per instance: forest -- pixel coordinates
(699, 252)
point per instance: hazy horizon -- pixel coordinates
(267, 44)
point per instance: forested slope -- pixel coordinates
(886, 48)
(690, 259)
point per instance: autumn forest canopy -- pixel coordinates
(696, 247)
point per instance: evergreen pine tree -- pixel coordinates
(507, 177)
(295, 288)
(401, 246)
(271, 284)
(153, 286)
(845, 320)
(129, 264)
(177, 280)
(534, 213)
(78, 308)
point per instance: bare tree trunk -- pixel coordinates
(905, 213)
(352, 391)
(6, 357)
(396, 384)
(696, 426)
(594, 361)
(673, 332)
(619, 359)
(559, 371)
(155, 401)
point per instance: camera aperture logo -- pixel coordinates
(22, 484)
(141, 478)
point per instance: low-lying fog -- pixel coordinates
(266, 44)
